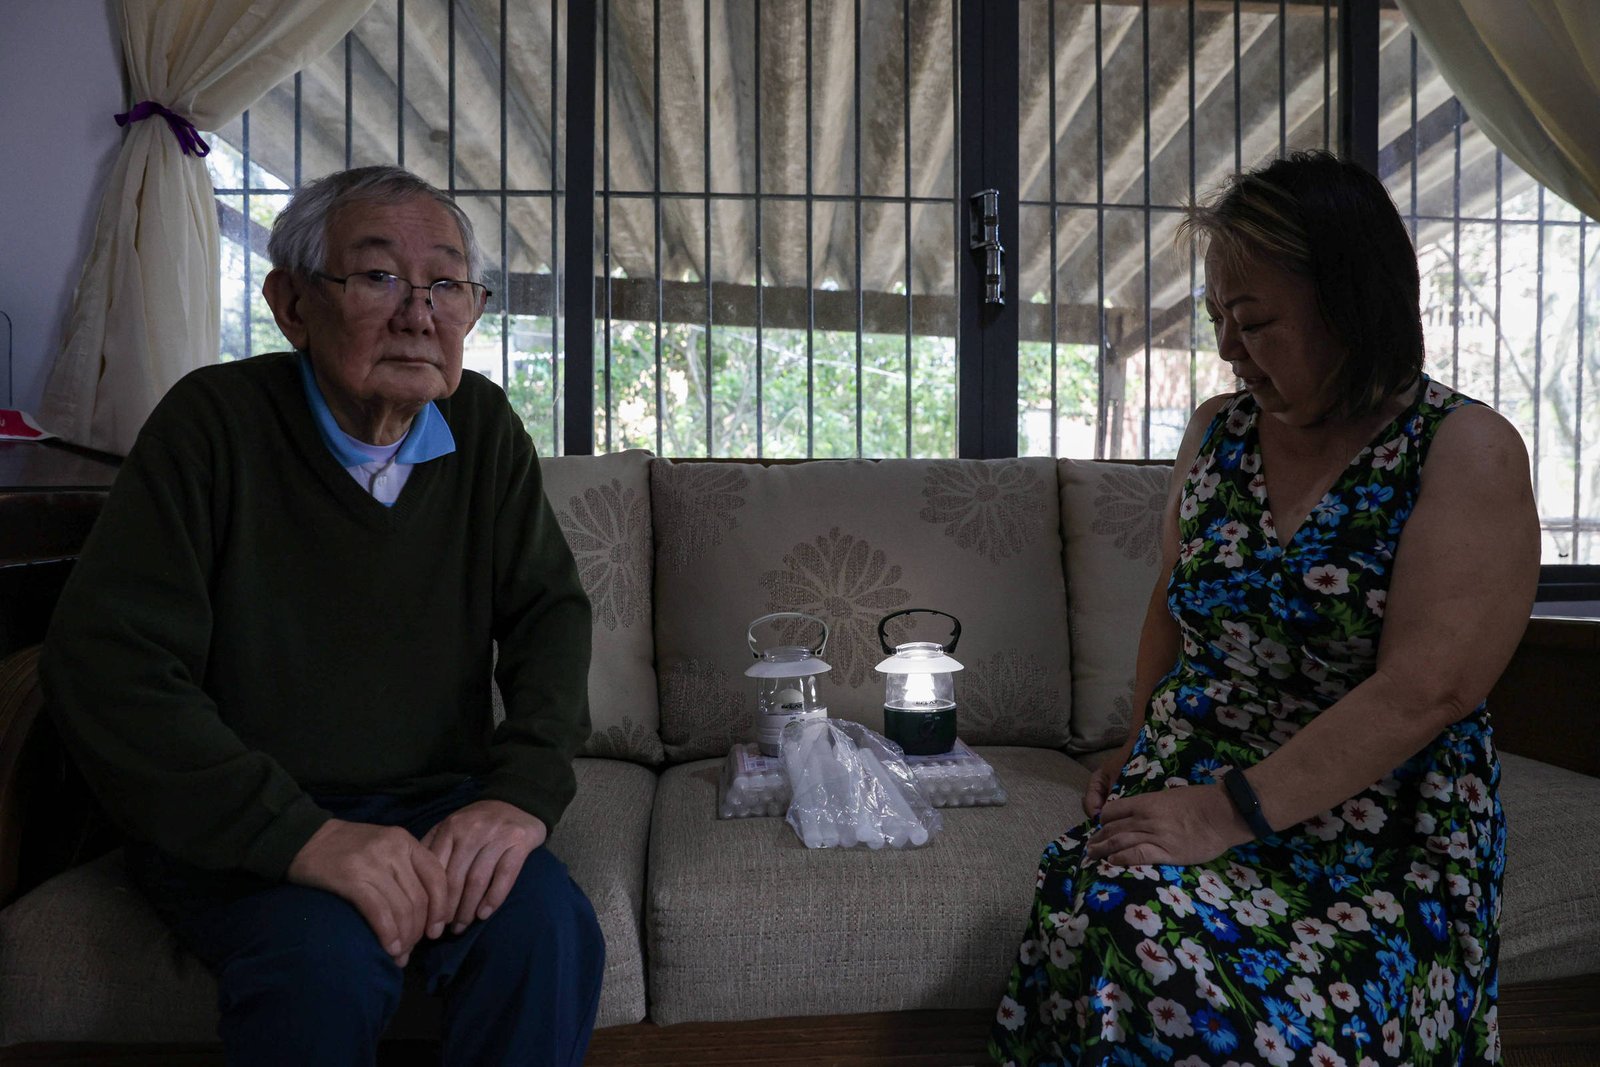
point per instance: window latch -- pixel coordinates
(984, 234)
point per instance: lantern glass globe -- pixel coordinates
(919, 692)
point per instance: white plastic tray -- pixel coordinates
(756, 785)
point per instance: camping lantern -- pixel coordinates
(786, 681)
(919, 694)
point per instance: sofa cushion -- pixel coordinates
(85, 958)
(603, 839)
(745, 922)
(603, 506)
(1550, 913)
(852, 541)
(1110, 527)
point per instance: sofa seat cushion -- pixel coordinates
(1550, 915)
(852, 541)
(603, 839)
(745, 922)
(85, 958)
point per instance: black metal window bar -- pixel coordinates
(777, 221)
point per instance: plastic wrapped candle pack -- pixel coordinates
(752, 784)
(851, 787)
(959, 778)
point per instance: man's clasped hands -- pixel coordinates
(406, 889)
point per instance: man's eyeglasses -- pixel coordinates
(379, 294)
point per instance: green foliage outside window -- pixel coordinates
(790, 400)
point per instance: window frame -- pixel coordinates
(988, 70)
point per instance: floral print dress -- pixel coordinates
(1365, 935)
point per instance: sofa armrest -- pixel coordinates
(20, 701)
(1546, 705)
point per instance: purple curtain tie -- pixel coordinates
(188, 137)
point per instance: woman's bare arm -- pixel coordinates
(1464, 579)
(1465, 575)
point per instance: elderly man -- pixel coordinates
(273, 661)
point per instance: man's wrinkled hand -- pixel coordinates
(396, 884)
(482, 848)
(1181, 826)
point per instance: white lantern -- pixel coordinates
(919, 692)
(786, 681)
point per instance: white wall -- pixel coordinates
(60, 85)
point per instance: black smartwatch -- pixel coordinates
(1244, 798)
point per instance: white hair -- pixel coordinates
(299, 241)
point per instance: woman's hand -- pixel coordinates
(1105, 776)
(1184, 825)
(1100, 783)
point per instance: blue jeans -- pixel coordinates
(301, 978)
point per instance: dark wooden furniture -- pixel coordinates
(50, 494)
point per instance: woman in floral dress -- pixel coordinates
(1297, 857)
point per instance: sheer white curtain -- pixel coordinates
(1528, 72)
(148, 305)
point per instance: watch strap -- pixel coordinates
(1245, 800)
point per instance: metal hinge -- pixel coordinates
(984, 233)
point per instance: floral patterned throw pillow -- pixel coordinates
(852, 541)
(1111, 523)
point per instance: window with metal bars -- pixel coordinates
(1130, 111)
(779, 225)
(1510, 311)
(776, 242)
(469, 94)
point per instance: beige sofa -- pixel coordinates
(1047, 564)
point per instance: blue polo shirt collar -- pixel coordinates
(428, 438)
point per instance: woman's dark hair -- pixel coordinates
(1334, 222)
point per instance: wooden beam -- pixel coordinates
(1432, 129)
(1168, 329)
(921, 1038)
(236, 228)
(783, 307)
(1389, 9)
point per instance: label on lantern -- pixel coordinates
(771, 721)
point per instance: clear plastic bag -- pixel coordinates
(849, 786)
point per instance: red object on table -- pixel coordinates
(19, 426)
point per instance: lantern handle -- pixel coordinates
(955, 629)
(750, 633)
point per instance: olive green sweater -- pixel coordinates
(246, 626)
